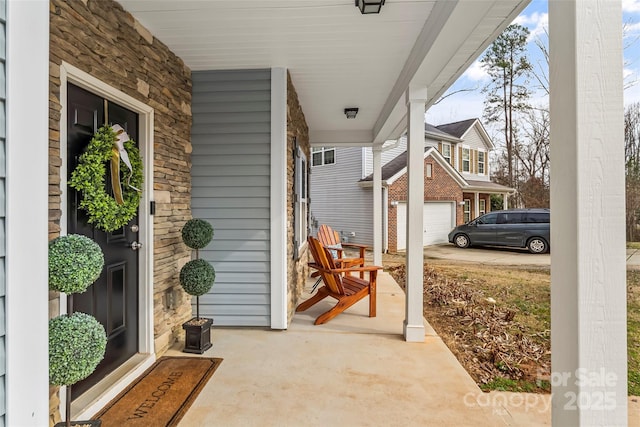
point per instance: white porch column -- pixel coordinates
(26, 387)
(588, 290)
(414, 318)
(377, 205)
(476, 205)
(505, 202)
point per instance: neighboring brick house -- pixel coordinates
(456, 185)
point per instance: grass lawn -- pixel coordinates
(496, 320)
(633, 245)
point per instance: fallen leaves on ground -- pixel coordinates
(486, 337)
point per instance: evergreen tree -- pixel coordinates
(508, 66)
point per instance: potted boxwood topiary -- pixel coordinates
(197, 277)
(77, 342)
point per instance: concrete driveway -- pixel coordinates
(482, 255)
(495, 256)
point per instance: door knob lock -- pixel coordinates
(135, 246)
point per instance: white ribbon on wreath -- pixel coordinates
(120, 154)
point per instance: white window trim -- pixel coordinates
(482, 206)
(484, 162)
(302, 181)
(468, 149)
(428, 170)
(446, 144)
(323, 150)
(466, 210)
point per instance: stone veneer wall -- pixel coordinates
(440, 187)
(297, 270)
(102, 39)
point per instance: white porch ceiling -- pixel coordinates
(337, 57)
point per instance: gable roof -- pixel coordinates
(461, 129)
(457, 129)
(436, 133)
(398, 167)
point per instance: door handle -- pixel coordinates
(135, 246)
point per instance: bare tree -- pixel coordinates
(534, 159)
(632, 169)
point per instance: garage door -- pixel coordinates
(438, 220)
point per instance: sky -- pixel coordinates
(469, 104)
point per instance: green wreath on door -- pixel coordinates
(109, 209)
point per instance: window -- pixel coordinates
(488, 219)
(301, 210)
(428, 170)
(323, 156)
(510, 218)
(482, 206)
(446, 151)
(481, 162)
(466, 211)
(536, 218)
(465, 159)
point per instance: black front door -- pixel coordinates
(113, 298)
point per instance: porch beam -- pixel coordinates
(588, 290)
(414, 318)
(377, 205)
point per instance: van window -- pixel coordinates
(510, 218)
(536, 217)
(487, 219)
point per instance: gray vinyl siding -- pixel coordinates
(475, 142)
(337, 199)
(385, 157)
(3, 366)
(230, 188)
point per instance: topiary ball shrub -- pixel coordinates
(197, 233)
(76, 345)
(75, 262)
(197, 276)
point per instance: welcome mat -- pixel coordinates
(162, 395)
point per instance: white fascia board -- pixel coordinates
(369, 184)
(27, 213)
(481, 189)
(395, 105)
(278, 199)
(336, 138)
(440, 137)
(433, 62)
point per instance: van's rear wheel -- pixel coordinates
(462, 241)
(537, 245)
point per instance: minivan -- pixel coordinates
(521, 228)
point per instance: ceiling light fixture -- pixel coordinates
(369, 6)
(350, 112)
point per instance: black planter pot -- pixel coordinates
(197, 335)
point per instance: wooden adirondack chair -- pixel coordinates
(345, 288)
(331, 240)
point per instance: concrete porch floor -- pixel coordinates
(352, 371)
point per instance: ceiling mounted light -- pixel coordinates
(350, 113)
(369, 6)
